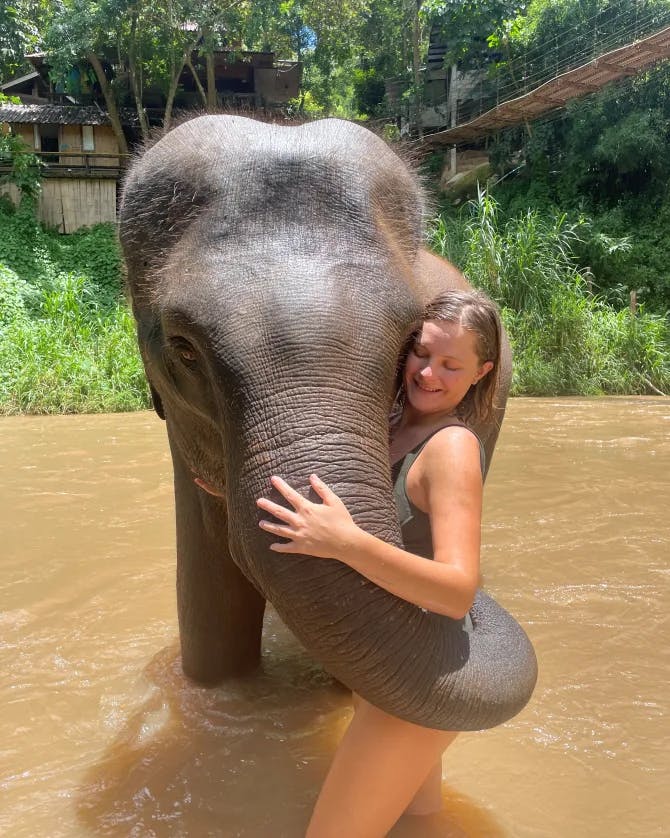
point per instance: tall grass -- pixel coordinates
(566, 340)
(72, 357)
(67, 339)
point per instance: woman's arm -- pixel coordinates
(450, 478)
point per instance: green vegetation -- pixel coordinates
(67, 338)
(566, 339)
(604, 156)
(579, 218)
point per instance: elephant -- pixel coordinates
(274, 272)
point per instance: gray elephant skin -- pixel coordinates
(274, 272)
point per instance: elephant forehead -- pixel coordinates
(240, 174)
(228, 142)
(237, 302)
(294, 275)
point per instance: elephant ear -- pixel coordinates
(397, 204)
(157, 403)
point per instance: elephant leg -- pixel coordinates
(220, 611)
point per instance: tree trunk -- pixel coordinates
(416, 66)
(198, 84)
(132, 68)
(174, 81)
(110, 101)
(172, 92)
(211, 83)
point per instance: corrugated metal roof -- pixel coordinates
(60, 115)
(20, 80)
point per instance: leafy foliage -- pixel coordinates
(67, 338)
(466, 25)
(566, 339)
(72, 357)
(14, 293)
(40, 256)
(24, 166)
(604, 156)
(21, 22)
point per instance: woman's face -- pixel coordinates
(441, 367)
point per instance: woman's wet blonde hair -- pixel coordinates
(474, 311)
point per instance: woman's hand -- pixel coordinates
(323, 529)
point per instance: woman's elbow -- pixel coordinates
(459, 587)
(462, 602)
(452, 611)
(460, 612)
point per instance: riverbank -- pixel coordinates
(67, 338)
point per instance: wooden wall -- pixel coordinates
(70, 203)
(70, 139)
(26, 134)
(104, 139)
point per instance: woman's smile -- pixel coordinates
(441, 367)
(426, 387)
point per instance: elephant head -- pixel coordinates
(274, 273)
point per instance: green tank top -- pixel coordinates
(415, 524)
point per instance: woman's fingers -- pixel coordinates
(293, 497)
(285, 547)
(323, 491)
(277, 529)
(280, 512)
(297, 500)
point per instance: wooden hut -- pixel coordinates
(81, 159)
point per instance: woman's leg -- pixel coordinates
(377, 769)
(428, 799)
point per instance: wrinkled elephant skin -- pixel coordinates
(274, 273)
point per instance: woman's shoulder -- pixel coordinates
(454, 446)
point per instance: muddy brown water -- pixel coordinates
(101, 734)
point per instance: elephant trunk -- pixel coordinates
(414, 664)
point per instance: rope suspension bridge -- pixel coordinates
(567, 83)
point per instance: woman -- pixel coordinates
(385, 765)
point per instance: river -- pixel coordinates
(101, 734)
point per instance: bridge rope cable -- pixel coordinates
(648, 16)
(535, 80)
(538, 122)
(576, 59)
(546, 73)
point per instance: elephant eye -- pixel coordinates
(185, 351)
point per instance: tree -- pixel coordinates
(24, 168)
(549, 37)
(90, 31)
(466, 25)
(21, 22)
(135, 44)
(324, 36)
